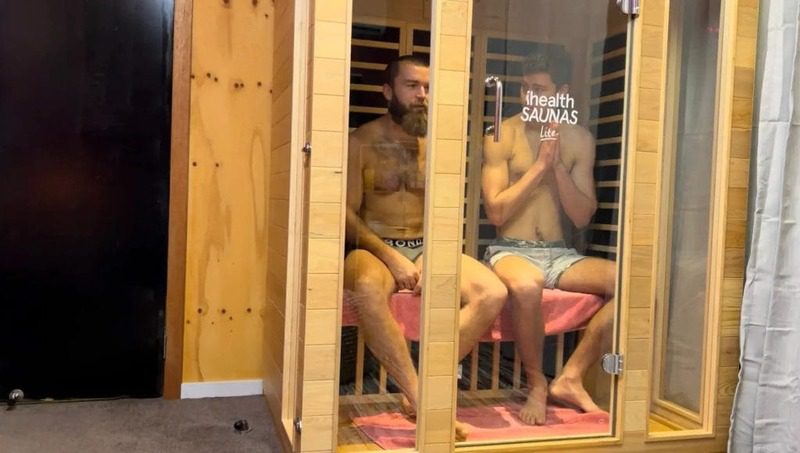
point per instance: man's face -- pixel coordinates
(540, 83)
(408, 99)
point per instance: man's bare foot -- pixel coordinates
(462, 432)
(534, 410)
(571, 391)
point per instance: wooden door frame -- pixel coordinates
(178, 198)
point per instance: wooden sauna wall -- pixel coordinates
(278, 223)
(326, 105)
(228, 187)
(330, 21)
(412, 11)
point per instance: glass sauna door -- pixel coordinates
(544, 175)
(541, 220)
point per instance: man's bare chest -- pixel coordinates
(394, 169)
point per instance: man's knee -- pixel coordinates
(488, 296)
(365, 277)
(526, 288)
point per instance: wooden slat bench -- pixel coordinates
(563, 312)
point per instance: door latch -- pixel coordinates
(298, 425)
(612, 364)
(629, 7)
(307, 149)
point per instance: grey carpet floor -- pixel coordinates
(146, 426)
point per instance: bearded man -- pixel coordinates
(385, 207)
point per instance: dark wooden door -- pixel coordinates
(84, 176)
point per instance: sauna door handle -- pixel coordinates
(629, 7)
(490, 82)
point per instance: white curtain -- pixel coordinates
(766, 415)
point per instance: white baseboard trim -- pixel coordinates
(217, 389)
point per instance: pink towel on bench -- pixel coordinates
(392, 430)
(563, 311)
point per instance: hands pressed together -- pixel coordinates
(549, 148)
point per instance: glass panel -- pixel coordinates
(694, 34)
(542, 212)
(386, 199)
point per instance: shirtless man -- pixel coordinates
(385, 203)
(527, 181)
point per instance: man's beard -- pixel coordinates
(413, 120)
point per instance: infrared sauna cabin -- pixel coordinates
(662, 92)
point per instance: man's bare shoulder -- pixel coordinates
(368, 133)
(579, 138)
(497, 152)
(513, 123)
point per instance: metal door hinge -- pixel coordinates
(298, 425)
(612, 364)
(307, 149)
(629, 7)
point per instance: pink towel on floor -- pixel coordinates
(392, 430)
(563, 311)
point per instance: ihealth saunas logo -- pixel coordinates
(559, 109)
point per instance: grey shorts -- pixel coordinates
(410, 248)
(551, 257)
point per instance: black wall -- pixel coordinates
(84, 174)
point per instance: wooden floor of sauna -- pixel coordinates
(352, 440)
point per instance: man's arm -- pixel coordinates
(500, 199)
(576, 187)
(359, 234)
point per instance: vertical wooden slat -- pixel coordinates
(451, 22)
(559, 353)
(382, 380)
(178, 198)
(473, 370)
(330, 23)
(495, 365)
(359, 363)
(517, 379)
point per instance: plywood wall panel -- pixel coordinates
(228, 185)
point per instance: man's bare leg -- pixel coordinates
(482, 298)
(369, 284)
(594, 276)
(525, 284)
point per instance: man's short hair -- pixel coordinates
(554, 61)
(393, 68)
